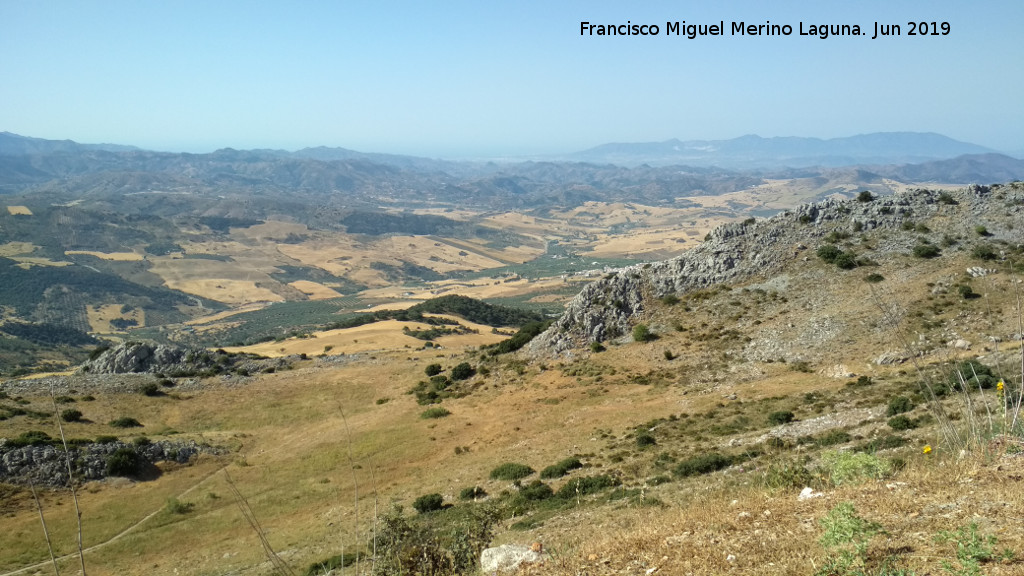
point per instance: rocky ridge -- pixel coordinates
(45, 464)
(737, 252)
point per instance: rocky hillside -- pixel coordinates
(977, 218)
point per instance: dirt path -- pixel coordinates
(113, 538)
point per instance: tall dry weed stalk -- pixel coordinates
(982, 416)
(71, 480)
(279, 565)
(46, 531)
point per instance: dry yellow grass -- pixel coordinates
(117, 256)
(19, 210)
(314, 290)
(101, 315)
(16, 249)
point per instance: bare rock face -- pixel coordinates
(508, 558)
(136, 358)
(608, 308)
(46, 465)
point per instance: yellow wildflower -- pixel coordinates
(927, 448)
(999, 385)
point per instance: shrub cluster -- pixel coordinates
(511, 471)
(561, 468)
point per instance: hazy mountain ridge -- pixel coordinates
(751, 151)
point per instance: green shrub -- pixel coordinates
(596, 347)
(125, 422)
(30, 438)
(124, 462)
(946, 198)
(926, 251)
(901, 423)
(645, 439)
(433, 369)
(561, 469)
(71, 415)
(874, 278)
(865, 196)
(641, 333)
(854, 467)
(64, 400)
(472, 493)
(899, 405)
(175, 506)
(832, 437)
(333, 564)
(984, 252)
(428, 503)
(785, 475)
(966, 292)
(586, 485)
(511, 471)
(462, 371)
(702, 464)
(781, 417)
(829, 253)
(670, 299)
(982, 231)
(536, 490)
(150, 389)
(142, 441)
(846, 261)
(435, 412)
(106, 439)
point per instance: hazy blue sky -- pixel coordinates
(476, 78)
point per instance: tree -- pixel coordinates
(433, 369)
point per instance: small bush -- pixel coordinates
(670, 299)
(899, 405)
(472, 493)
(781, 417)
(865, 196)
(463, 371)
(702, 464)
(125, 422)
(846, 261)
(150, 389)
(645, 439)
(428, 503)
(829, 253)
(926, 251)
(946, 198)
(984, 252)
(536, 490)
(874, 278)
(596, 347)
(832, 437)
(124, 462)
(561, 469)
(669, 355)
(785, 475)
(64, 400)
(175, 506)
(435, 412)
(332, 564)
(433, 370)
(142, 441)
(901, 423)
(106, 439)
(641, 333)
(511, 471)
(982, 231)
(71, 415)
(585, 485)
(854, 467)
(30, 438)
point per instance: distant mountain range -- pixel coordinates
(653, 173)
(754, 152)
